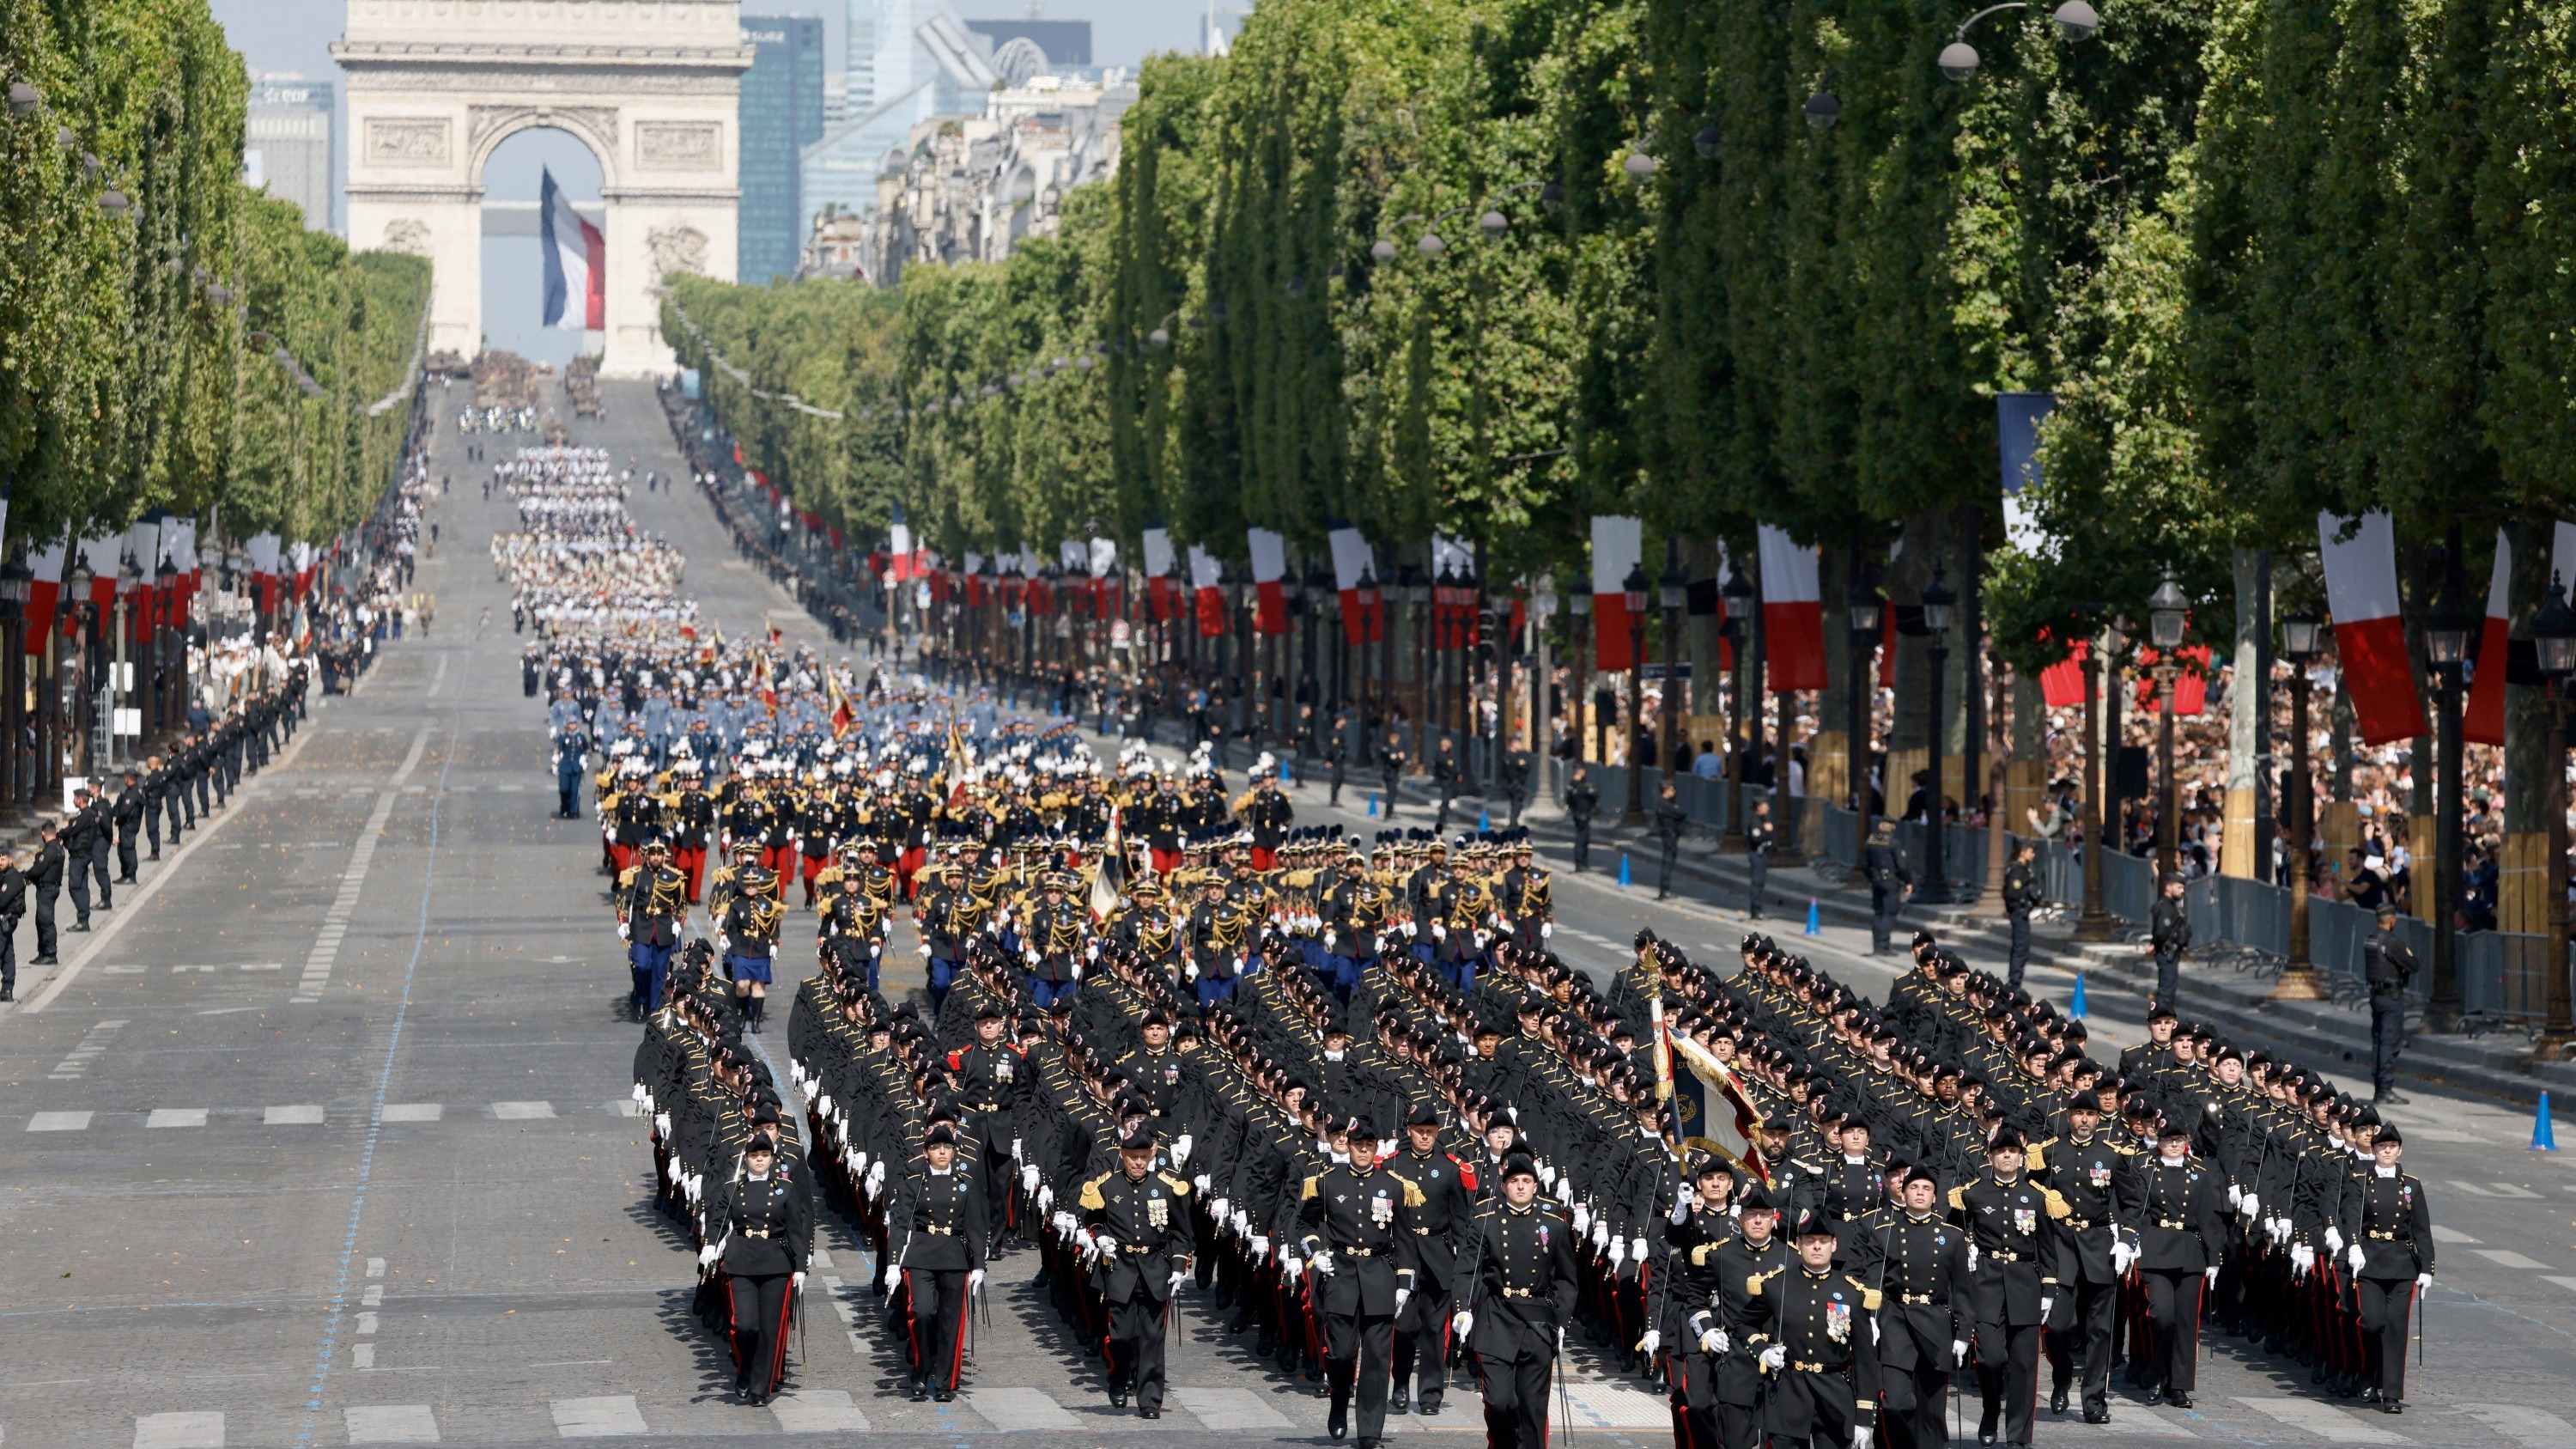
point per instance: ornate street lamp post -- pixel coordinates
(1633, 588)
(2301, 638)
(1939, 599)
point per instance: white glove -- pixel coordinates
(1028, 1179)
(1546, 929)
(1582, 1217)
(1064, 1223)
(1600, 1233)
(1173, 1289)
(707, 1256)
(2252, 1205)
(2122, 1255)
(639, 1094)
(1860, 1436)
(876, 1175)
(1401, 1295)
(1462, 1323)
(1439, 932)
(1075, 970)
(1637, 1251)
(2353, 1255)
(1772, 1358)
(974, 1280)
(2334, 1240)
(1290, 1264)
(1203, 1182)
(1713, 1341)
(796, 1281)
(1682, 1202)
(1323, 1261)
(1958, 1350)
(2235, 1196)
(863, 1161)
(2210, 1274)
(1091, 952)
(1181, 1150)
(1565, 1190)
(1032, 954)
(1972, 1257)
(1618, 1251)
(621, 932)
(1653, 1342)
(1261, 1245)
(1220, 1208)
(2045, 1303)
(1016, 1154)
(2423, 1282)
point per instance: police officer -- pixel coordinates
(127, 817)
(1136, 1231)
(938, 1231)
(652, 911)
(1515, 1305)
(2168, 936)
(2011, 1242)
(79, 834)
(1582, 802)
(1356, 1223)
(759, 1232)
(1391, 758)
(2389, 966)
(2173, 1228)
(13, 905)
(45, 877)
(2086, 1169)
(2022, 895)
(1921, 1270)
(1884, 863)
(1671, 819)
(2387, 1227)
(1448, 1188)
(1823, 1353)
(1760, 835)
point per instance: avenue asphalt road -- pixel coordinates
(414, 1207)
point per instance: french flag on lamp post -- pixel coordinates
(1162, 591)
(1269, 569)
(1361, 618)
(576, 263)
(43, 591)
(1793, 614)
(1617, 544)
(2370, 627)
(2484, 722)
(1207, 581)
(263, 569)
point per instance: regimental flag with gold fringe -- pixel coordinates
(1716, 1114)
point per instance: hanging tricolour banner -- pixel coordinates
(1618, 544)
(576, 257)
(1793, 614)
(1269, 575)
(2370, 626)
(43, 591)
(1717, 1114)
(1363, 620)
(1162, 591)
(1207, 582)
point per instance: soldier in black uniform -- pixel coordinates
(759, 1231)
(1391, 758)
(2168, 936)
(13, 905)
(993, 1081)
(1582, 801)
(45, 878)
(1698, 1231)
(80, 833)
(1671, 820)
(127, 816)
(1517, 1299)
(2387, 1227)
(2086, 1170)
(1823, 1353)
(1884, 863)
(1920, 1265)
(652, 911)
(2173, 1227)
(2389, 967)
(1356, 1225)
(1760, 835)
(2013, 1252)
(937, 1229)
(2022, 895)
(1136, 1228)
(1448, 1187)
(156, 787)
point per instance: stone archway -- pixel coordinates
(650, 86)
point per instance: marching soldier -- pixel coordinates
(1136, 1230)
(748, 931)
(2387, 1227)
(652, 910)
(1823, 1354)
(938, 1228)
(1448, 1188)
(2085, 1169)
(1922, 1273)
(992, 1080)
(1518, 1297)
(2007, 1218)
(759, 1232)
(1358, 1239)
(2173, 1221)
(1698, 1233)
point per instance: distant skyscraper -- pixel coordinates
(288, 144)
(781, 114)
(860, 58)
(1066, 43)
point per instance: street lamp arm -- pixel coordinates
(1966, 25)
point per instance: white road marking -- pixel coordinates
(391, 1424)
(2126, 1419)
(335, 921)
(1227, 1410)
(597, 1418)
(367, 1323)
(363, 1356)
(2534, 1428)
(818, 1411)
(2471, 1188)
(92, 1043)
(2507, 1259)
(191, 1430)
(374, 1297)
(1617, 1406)
(522, 1111)
(2506, 1189)
(1021, 1408)
(305, 1116)
(375, 1267)
(2561, 1279)
(2323, 1420)
(2442, 1234)
(58, 1122)
(413, 1111)
(176, 1117)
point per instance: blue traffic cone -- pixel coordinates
(1815, 919)
(1372, 805)
(1286, 778)
(1623, 870)
(2075, 1008)
(1484, 821)
(2543, 1138)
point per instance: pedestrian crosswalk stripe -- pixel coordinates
(2442, 1234)
(597, 1418)
(305, 1116)
(1616, 1406)
(1019, 1407)
(1227, 1410)
(818, 1411)
(2532, 1428)
(2503, 1258)
(176, 1117)
(2323, 1420)
(193, 1429)
(58, 1122)
(391, 1424)
(522, 1111)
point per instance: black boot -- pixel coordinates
(1338, 1423)
(1398, 1399)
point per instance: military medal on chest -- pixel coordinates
(1158, 1210)
(1838, 1319)
(1382, 1208)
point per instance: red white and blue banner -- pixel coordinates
(576, 263)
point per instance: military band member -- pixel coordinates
(759, 1233)
(1823, 1353)
(2387, 1227)
(1515, 1305)
(747, 932)
(1448, 1188)
(1136, 1228)
(2011, 1253)
(1356, 1223)
(1921, 1268)
(2085, 1168)
(938, 1230)
(2173, 1228)
(652, 911)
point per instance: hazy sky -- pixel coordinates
(295, 35)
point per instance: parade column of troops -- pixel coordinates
(1170, 1037)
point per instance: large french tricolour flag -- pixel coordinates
(2369, 625)
(1793, 613)
(576, 263)
(1618, 543)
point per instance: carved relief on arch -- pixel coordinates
(407, 235)
(677, 249)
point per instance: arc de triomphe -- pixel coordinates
(649, 85)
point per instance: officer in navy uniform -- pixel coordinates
(1883, 862)
(759, 1231)
(1919, 1260)
(2086, 1169)
(937, 1228)
(1514, 1306)
(1357, 1224)
(1448, 1187)
(2012, 1241)
(2387, 1228)
(1698, 1230)
(1725, 1329)
(2173, 1228)
(1136, 1223)
(652, 911)
(1823, 1353)
(992, 1080)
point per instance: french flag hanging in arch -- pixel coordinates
(576, 263)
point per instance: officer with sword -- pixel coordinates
(1515, 1304)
